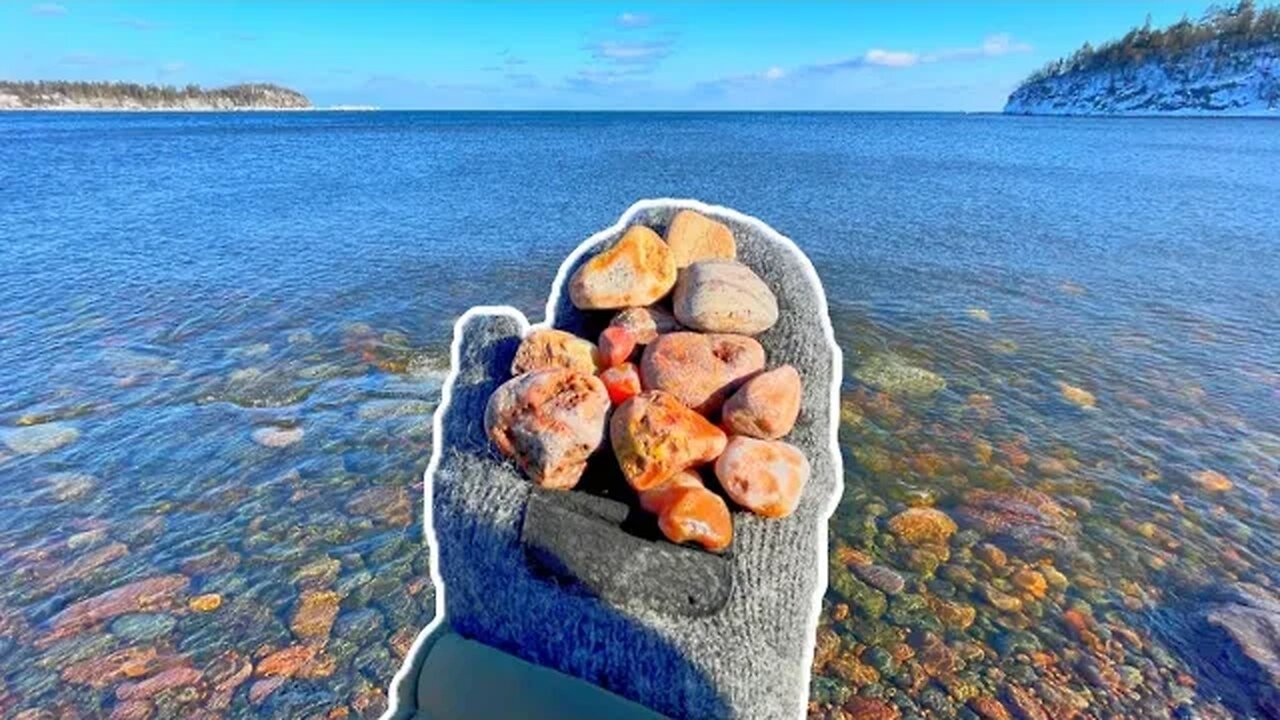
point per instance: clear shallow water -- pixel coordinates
(171, 283)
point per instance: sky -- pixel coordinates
(948, 55)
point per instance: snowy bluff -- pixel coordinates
(1202, 82)
(1224, 64)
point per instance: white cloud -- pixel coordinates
(891, 58)
(1003, 44)
(992, 46)
(598, 80)
(48, 10)
(172, 68)
(139, 24)
(629, 52)
(777, 79)
(633, 20)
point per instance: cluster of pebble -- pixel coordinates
(677, 386)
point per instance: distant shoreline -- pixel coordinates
(62, 95)
(96, 109)
(92, 109)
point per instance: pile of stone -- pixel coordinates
(677, 379)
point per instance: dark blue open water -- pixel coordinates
(171, 283)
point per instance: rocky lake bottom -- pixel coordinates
(1058, 416)
(290, 579)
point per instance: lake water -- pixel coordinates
(180, 295)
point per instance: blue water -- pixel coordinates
(171, 282)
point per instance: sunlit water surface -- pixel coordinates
(222, 336)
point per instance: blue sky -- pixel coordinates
(934, 55)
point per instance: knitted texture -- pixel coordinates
(749, 660)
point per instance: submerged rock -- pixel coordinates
(1025, 703)
(891, 373)
(989, 708)
(70, 486)
(38, 439)
(252, 387)
(867, 708)
(387, 504)
(1026, 518)
(858, 594)
(1213, 481)
(224, 675)
(143, 627)
(172, 678)
(131, 710)
(260, 690)
(277, 437)
(211, 562)
(1031, 582)
(360, 627)
(285, 663)
(881, 578)
(103, 671)
(953, 614)
(922, 526)
(1001, 601)
(149, 594)
(386, 409)
(205, 603)
(1077, 396)
(314, 615)
(318, 574)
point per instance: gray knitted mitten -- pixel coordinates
(744, 645)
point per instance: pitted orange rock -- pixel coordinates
(700, 370)
(616, 345)
(693, 236)
(638, 270)
(550, 421)
(766, 406)
(622, 382)
(766, 477)
(549, 348)
(654, 437)
(646, 323)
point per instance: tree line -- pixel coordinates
(1232, 28)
